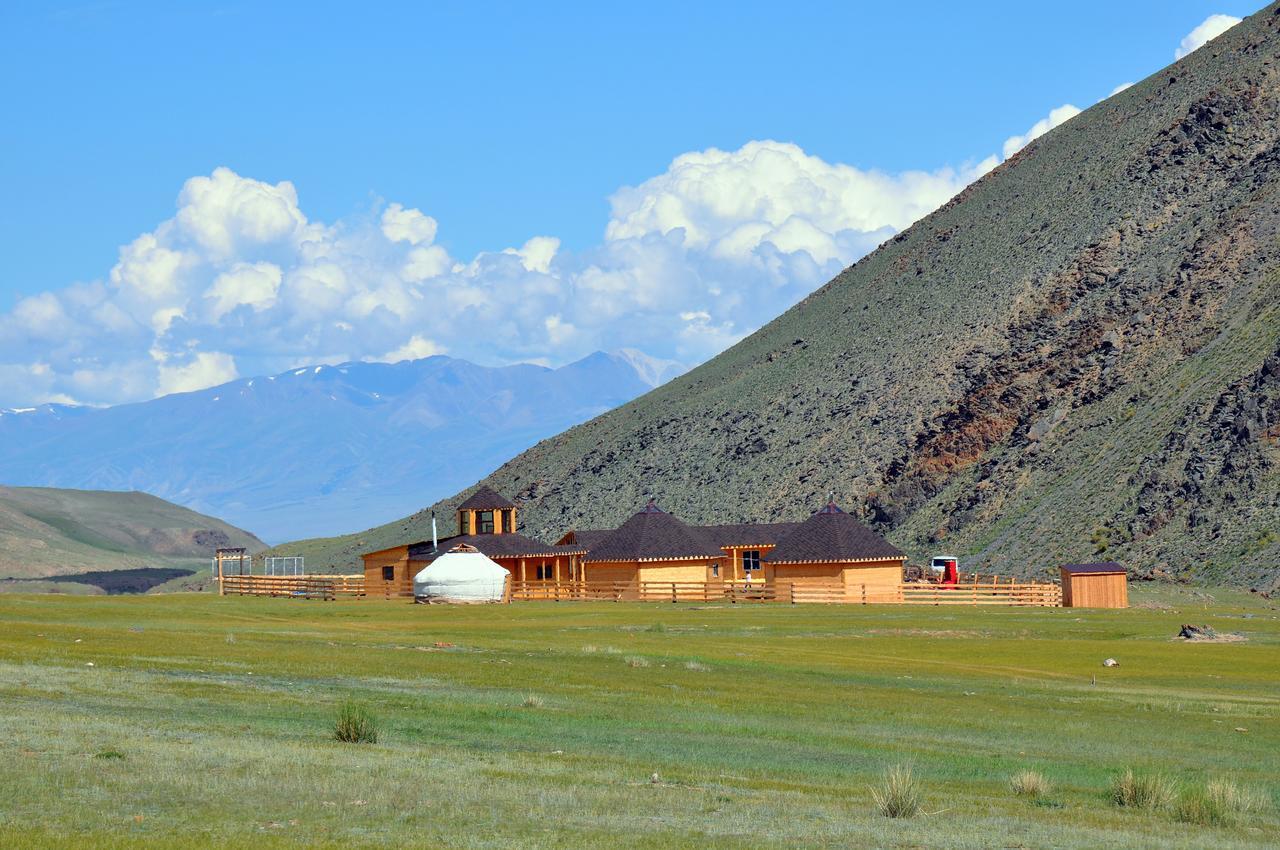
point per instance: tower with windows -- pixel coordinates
(487, 512)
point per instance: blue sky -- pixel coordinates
(499, 122)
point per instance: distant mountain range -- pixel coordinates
(323, 449)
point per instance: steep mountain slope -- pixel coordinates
(46, 532)
(319, 449)
(1078, 356)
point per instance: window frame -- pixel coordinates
(389, 573)
(484, 526)
(750, 561)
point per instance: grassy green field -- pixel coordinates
(208, 722)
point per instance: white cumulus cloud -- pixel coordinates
(204, 369)
(241, 281)
(402, 225)
(1208, 29)
(1056, 117)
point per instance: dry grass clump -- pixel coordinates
(696, 666)
(1029, 783)
(636, 661)
(531, 701)
(592, 649)
(1219, 803)
(1142, 791)
(355, 725)
(898, 795)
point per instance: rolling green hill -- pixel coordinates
(46, 532)
(1077, 357)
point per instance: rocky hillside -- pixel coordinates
(1078, 357)
(46, 532)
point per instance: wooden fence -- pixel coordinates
(1043, 594)
(983, 592)
(326, 587)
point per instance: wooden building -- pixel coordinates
(654, 546)
(1101, 585)
(830, 547)
(487, 522)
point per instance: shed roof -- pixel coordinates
(486, 499)
(831, 535)
(1099, 568)
(653, 535)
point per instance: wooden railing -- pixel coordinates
(832, 593)
(996, 592)
(326, 587)
(1031, 593)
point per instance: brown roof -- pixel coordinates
(492, 545)
(486, 499)
(586, 537)
(748, 533)
(1100, 567)
(653, 535)
(831, 535)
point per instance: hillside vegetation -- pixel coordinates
(1076, 358)
(209, 722)
(46, 532)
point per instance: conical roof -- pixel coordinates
(486, 499)
(653, 535)
(831, 535)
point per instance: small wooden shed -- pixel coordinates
(1101, 585)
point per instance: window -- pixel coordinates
(751, 561)
(546, 572)
(464, 522)
(715, 570)
(388, 573)
(485, 522)
(504, 522)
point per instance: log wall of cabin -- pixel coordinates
(677, 571)
(887, 573)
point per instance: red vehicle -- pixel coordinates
(946, 569)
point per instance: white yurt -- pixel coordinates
(463, 574)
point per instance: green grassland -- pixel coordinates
(207, 722)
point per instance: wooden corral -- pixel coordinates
(1101, 585)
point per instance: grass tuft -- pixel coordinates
(636, 661)
(1219, 803)
(355, 725)
(1142, 791)
(696, 666)
(1029, 783)
(531, 701)
(108, 754)
(898, 795)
